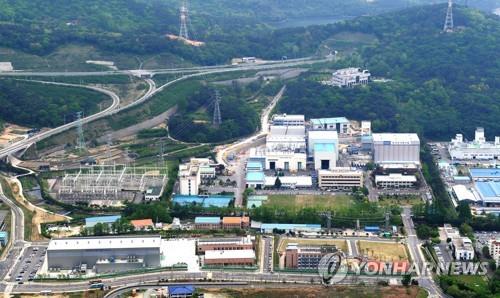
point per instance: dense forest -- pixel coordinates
(442, 83)
(138, 27)
(36, 105)
(193, 122)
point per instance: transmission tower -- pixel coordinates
(217, 120)
(80, 144)
(448, 23)
(183, 32)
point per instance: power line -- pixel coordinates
(80, 144)
(448, 23)
(183, 32)
(217, 119)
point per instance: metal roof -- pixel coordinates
(255, 177)
(205, 201)
(396, 137)
(335, 120)
(207, 220)
(181, 290)
(230, 254)
(485, 173)
(92, 221)
(489, 191)
(324, 147)
(105, 242)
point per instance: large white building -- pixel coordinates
(340, 178)
(479, 149)
(104, 254)
(338, 124)
(395, 181)
(462, 248)
(323, 137)
(191, 175)
(350, 77)
(325, 156)
(286, 148)
(288, 120)
(396, 149)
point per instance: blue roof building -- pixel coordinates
(269, 227)
(180, 291)
(324, 147)
(255, 201)
(255, 166)
(485, 174)
(339, 124)
(255, 179)
(207, 220)
(4, 238)
(90, 222)
(205, 201)
(489, 191)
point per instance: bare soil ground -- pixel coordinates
(383, 251)
(40, 215)
(319, 291)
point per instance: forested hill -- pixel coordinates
(443, 83)
(138, 27)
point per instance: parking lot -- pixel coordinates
(28, 264)
(482, 238)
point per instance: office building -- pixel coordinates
(450, 232)
(235, 222)
(396, 149)
(290, 182)
(303, 257)
(288, 120)
(479, 149)
(463, 250)
(239, 243)
(395, 181)
(349, 77)
(494, 249)
(104, 254)
(219, 258)
(207, 222)
(338, 124)
(340, 178)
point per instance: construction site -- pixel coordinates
(111, 185)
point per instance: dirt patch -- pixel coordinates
(318, 291)
(40, 215)
(383, 251)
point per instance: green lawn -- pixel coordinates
(302, 201)
(473, 281)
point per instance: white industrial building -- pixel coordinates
(291, 182)
(104, 254)
(396, 149)
(462, 193)
(479, 149)
(324, 137)
(462, 248)
(288, 120)
(349, 77)
(338, 124)
(191, 175)
(286, 148)
(340, 178)
(395, 181)
(325, 156)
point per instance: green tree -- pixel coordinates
(406, 280)
(277, 183)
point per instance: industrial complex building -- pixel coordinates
(340, 178)
(306, 257)
(239, 243)
(219, 258)
(396, 149)
(104, 254)
(349, 77)
(286, 148)
(395, 180)
(479, 149)
(193, 173)
(288, 120)
(338, 124)
(111, 184)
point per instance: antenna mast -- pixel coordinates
(217, 120)
(448, 23)
(184, 19)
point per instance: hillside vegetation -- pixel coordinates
(36, 105)
(443, 83)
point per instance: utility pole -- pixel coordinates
(80, 144)
(328, 216)
(387, 219)
(183, 32)
(217, 119)
(448, 23)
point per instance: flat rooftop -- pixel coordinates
(396, 137)
(105, 242)
(330, 135)
(230, 254)
(334, 120)
(207, 220)
(489, 191)
(324, 147)
(485, 173)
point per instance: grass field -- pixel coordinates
(302, 201)
(473, 281)
(392, 201)
(383, 251)
(342, 244)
